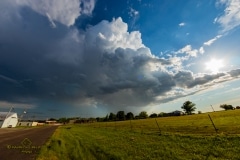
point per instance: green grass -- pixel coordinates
(183, 138)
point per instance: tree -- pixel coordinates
(153, 115)
(98, 119)
(129, 116)
(143, 115)
(120, 116)
(136, 117)
(188, 107)
(226, 107)
(163, 114)
(112, 117)
(106, 118)
(63, 120)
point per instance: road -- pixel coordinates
(23, 143)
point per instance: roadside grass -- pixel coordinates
(227, 122)
(180, 138)
(28, 126)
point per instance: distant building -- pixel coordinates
(8, 119)
(176, 113)
(41, 124)
(51, 122)
(72, 121)
(27, 123)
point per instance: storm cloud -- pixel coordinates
(102, 65)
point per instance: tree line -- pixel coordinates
(188, 107)
(121, 116)
(228, 107)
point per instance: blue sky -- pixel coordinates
(87, 58)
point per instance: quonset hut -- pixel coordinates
(8, 119)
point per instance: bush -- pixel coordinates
(227, 107)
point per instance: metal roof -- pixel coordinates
(4, 115)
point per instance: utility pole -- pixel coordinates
(21, 117)
(212, 108)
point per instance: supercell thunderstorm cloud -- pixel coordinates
(44, 57)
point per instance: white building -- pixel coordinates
(8, 119)
(27, 123)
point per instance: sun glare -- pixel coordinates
(214, 65)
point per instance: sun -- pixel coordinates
(214, 65)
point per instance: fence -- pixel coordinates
(202, 124)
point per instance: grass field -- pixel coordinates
(183, 138)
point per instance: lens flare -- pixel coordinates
(214, 65)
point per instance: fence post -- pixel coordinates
(158, 125)
(213, 123)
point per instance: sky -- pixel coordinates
(87, 58)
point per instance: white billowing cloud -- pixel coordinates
(112, 35)
(63, 11)
(231, 17)
(177, 63)
(113, 66)
(211, 41)
(177, 60)
(188, 50)
(182, 24)
(103, 66)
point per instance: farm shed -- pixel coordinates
(51, 122)
(27, 123)
(176, 113)
(8, 119)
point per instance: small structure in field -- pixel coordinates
(40, 124)
(72, 121)
(176, 113)
(27, 123)
(8, 119)
(51, 122)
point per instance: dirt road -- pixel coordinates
(23, 143)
